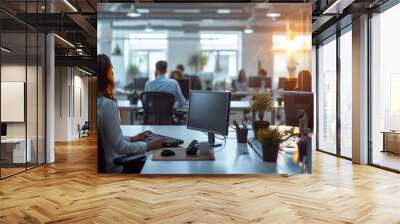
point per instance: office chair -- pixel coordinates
(84, 130)
(130, 163)
(158, 108)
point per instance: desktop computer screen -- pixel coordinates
(259, 82)
(296, 103)
(3, 130)
(209, 112)
(139, 83)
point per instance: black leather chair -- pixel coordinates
(130, 163)
(158, 108)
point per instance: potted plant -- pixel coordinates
(198, 61)
(259, 105)
(133, 97)
(270, 139)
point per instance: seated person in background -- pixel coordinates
(164, 84)
(262, 72)
(176, 75)
(195, 82)
(304, 81)
(241, 83)
(108, 123)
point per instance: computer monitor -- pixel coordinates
(139, 83)
(299, 110)
(209, 112)
(259, 82)
(184, 84)
(3, 130)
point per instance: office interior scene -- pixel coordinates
(51, 51)
(205, 68)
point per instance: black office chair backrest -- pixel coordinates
(158, 108)
(101, 158)
(184, 84)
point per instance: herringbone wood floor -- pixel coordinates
(70, 191)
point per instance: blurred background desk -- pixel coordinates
(238, 110)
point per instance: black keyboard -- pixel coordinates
(169, 142)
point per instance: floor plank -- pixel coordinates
(71, 191)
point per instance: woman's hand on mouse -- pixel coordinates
(155, 145)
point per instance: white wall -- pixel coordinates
(70, 84)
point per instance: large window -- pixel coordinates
(385, 84)
(145, 49)
(346, 94)
(223, 51)
(327, 97)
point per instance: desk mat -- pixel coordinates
(180, 155)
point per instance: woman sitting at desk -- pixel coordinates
(241, 84)
(108, 123)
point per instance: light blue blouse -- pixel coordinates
(114, 143)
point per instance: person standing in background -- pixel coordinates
(241, 83)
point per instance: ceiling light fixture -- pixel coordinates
(194, 11)
(117, 51)
(133, 14)
(70, 5)
(142, 10)
(64, 40)
(273, 15)
(148, 28)
(223, 11)
(248, 30)
(5, 50)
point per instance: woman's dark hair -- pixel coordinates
(105, 77)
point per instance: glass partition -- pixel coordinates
(385, 89)
(22, 89)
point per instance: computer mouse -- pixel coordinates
(192, 148)
(167, 152)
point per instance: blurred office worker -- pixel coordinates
(108, 123)
(241, 83)
(165, 84)
(195, 82)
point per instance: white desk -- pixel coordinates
(232, 158)
(16, 147)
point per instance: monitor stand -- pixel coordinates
(211, 140)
